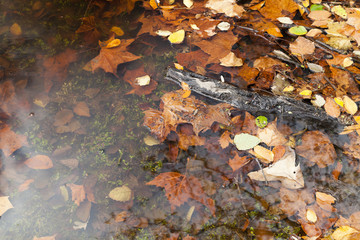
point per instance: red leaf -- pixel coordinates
(179, 188)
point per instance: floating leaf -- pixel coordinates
(10, 141)
(244, 141)
(121, 194)
(298, 30)
(5, 204)
(177, 37)
(39, 162)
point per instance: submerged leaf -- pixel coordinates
(121, 194)
(39, 162)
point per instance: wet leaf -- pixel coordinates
(340, 11)
(270, 135)
(113, 43)
(138, 78)
(284, 170)
(109, 59)
(311, 216)
(188, 3)
(344, 233)
(244, 141)
(10, 141)
(179, 188)
(39, 162)
(225, 139)
(78, 193)
(302, 46)
(121, 194)
(53, 237)
(177, 37)
(82, 109)
(349, 105)
(317, 148)
(25, 185)
(150, 141)
(229, 8)
(117, 30)
(231, 60)
(331, 107)
(298, 30)
(63, 117)
(238, 162)
(143, 80)
(5, 204)
(264, 154)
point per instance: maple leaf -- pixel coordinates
(10, 141)
(179, 188)
(109, 58)
(78, 193)
(88, 28)
(55, 68)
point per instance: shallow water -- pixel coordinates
(93, 153)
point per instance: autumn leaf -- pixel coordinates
(5, 204)
(82, 109)
(302, 46)
(179, 188)
(39, 162)
(132, 77)
(10, 141)
(109, 58)
(274, 8)
(78, 193)
(25, 185)
(317, 148)
(238, 162)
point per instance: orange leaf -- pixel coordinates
(238, 162)
(78, 193)
(82, 109)
(279, 152)
(264, 154)
(225, 139)
(274, 31)
(39, 162)
(179, 188)
(25, 185)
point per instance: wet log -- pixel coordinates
(253, 102)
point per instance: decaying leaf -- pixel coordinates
(121, 194)
(311, 216)
(177, 37)
(264, 154)
(284, 170)
(345, 233)
(78, 193)
(5, 204)
(82, 109)
(179, 188)
(63, 117)
(39, 162)
(317, 148)
(10, 141)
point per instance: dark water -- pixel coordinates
(106, 149)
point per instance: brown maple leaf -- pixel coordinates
(179, 188)
(78, 193)
(56, 67)
(88, 29)
(109, 58)
(10, 141)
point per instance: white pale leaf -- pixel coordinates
(188, 3)
(223, 26)
(285, 20)
(284, 170)
(315, 67)
(163, 33)
(244, 141)
(143, 81)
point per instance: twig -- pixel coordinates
(329, 47)
(332, 85)
(262, 170)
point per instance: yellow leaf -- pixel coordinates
(178, 66)
(274, 31)
(188, 3)
(340, 11)
(357, 119)
(177, 37)
(306, 93)
(143, 81)
(311, 216)
(113, 43)
(264, 154)
(121, 194)
(15, 29)
(343, 233)
(288, 89)
(349, 105)
(154, 4)
(339, 101)
(347, 62)
(118, 31)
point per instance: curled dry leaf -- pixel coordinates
(284, 170)
(317, 148)
(39, 162)
(82, 109)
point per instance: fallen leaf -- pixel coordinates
(143, 80)
(270, 135)
(238, 162)
(121, 194)
(275, 8)
(139, 88)
(45, 238)
(311, 216)
(10, 141)
(317, 148)
(25, 185)
(5, 204)
(298, 30)
(63, 117)
(122, 216)
(78, 193)
(109, 59)
(179, 188)
(279, 152)
(349, 105)
(302, 46)
(177, 37)
(244, 141)
(264, 154)
(331, 107)
(344, 233)
(225, 139)
(228, 7)
(284, 170)
(117, 30)
(39, 162)
(70, 162)
(82, 109)
(15, 29)
(231, 60)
